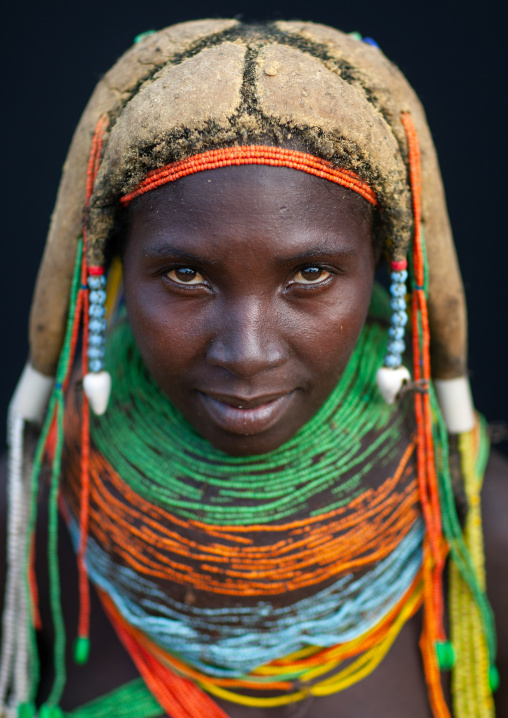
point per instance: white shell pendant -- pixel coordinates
(97, 387)
(390, 381)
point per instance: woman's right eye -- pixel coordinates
(185, 275)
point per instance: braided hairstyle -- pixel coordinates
(211, 84)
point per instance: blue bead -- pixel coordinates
(97, 311)
(396, 346)
(398, 304)
(399, 276)
(97, 326)
(393, 361)
(143, 35)
(370, 41)
(396, 332)
(399, 319)
(96, 365)
(398, 290)
(98, 296)
(96, 281)
(96, 352)
(96, 340)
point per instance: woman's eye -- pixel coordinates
(311, 275)
(185, 275)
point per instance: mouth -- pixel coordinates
(243, 416)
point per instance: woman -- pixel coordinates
(264, 495)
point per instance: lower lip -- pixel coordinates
(246, 421)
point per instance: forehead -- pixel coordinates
(248, 204)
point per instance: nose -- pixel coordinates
(248, 340)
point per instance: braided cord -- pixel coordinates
(132, 700)
(472, 627)
(54, 418)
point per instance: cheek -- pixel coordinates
(328, 334)
(170, 335)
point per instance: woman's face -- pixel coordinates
(246, 289)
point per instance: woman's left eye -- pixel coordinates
(185, 275)
(311, 275)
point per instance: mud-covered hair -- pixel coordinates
(212, 84)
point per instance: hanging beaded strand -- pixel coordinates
(96, 381)
(437, 652)
(97, 323)
(97, 387)
(396, 344)
(392, 375)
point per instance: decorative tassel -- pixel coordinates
(96, 381)
(391, 377)
(14, 663)
(433, 636)
(391, 381)
(96, 387)
(471, 698)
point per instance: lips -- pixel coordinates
(246, 416)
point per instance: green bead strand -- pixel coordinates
(493, 678)
(49, 711)
(81, 650)
(56, 404)
(445, 654)
(246, 490)
(132, 700)
(26, 710)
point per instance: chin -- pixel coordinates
(243, 445)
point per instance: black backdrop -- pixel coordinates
(53, 53)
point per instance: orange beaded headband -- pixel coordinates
(251, 155)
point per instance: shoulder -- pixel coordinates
(495, 515)
(495, 531)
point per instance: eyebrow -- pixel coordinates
(163, 250)
(160, 251)
(319, 251)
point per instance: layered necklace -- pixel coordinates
(261, 580)
(289, 573)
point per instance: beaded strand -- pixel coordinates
(247, 155)
(472, 626)
(433, 638)
(396, 344)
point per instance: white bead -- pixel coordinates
(390, 381)
(456, 402)
(32, 395)
(97, 388)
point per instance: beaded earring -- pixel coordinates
(392, 375)
(97, 382)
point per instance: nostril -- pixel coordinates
(244, 357)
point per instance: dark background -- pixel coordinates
(53, 53)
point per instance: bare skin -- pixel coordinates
(224, 307)
(246, 290)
